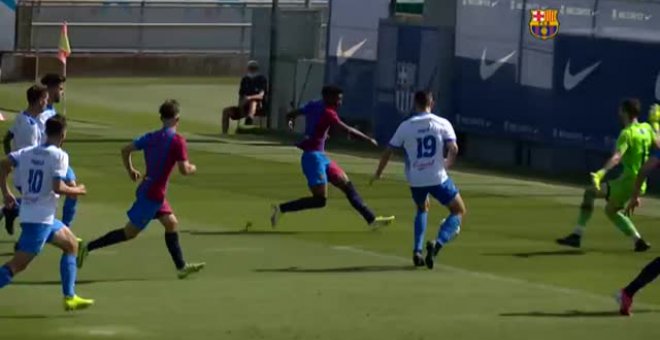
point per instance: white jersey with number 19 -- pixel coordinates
(37, 167)
(423, 137)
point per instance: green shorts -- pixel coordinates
(620, 190)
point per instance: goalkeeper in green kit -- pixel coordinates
(632, 150)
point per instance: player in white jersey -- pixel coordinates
(25, 133)
(42, 170)
(55, 85)
(24, 137)
(424, 137)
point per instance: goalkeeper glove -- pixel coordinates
(654, 117)
(597, 178)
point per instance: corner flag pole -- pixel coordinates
(63, 52)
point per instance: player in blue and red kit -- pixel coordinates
(163, 149)
(320, 116)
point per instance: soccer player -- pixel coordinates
(424, 137)
(251, 97)
(55, 85)
(163, 149)
(24, 133)
(632, 149)
(42, 170)
(320, 116)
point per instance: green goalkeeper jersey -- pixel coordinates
(635, 143)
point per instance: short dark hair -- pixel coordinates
(36, 92)
(632, 107)
(331, 91)
(169, 109)
(52, 79)
(423, 98)
(55, 125)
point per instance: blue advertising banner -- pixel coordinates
(561, 91)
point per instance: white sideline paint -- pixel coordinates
(494, 277)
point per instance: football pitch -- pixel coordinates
(321, 274)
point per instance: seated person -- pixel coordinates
(252, 95)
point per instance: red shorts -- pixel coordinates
(165, 209)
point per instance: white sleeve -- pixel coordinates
(447, 132)
(15, 157)
(14, 126)
(397, 139)
(61, 165)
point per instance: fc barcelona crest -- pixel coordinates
(406, 78)
(544, 24)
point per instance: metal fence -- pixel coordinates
(143, 26)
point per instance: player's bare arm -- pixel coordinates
(635, 202)
(186, 168)
(6, 142)
(5, 170)
(357, 133)
(291, 118)
(384, 160)
(60, 187)
(126, 152)
(452, 152)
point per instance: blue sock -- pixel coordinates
(68, 273)
(69, 211)
(357, 203)
(420, 230)
(5, 276)
(449, 229)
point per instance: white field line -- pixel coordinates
(493, 277)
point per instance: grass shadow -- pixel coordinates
(79, 282)
(7, 254)
(35, 316)
(238, 233)
(576, 314)
(572, 252)
(354, 269)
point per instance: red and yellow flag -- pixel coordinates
(64, 49)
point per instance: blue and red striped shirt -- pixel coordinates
(318, 120)
(162, 150)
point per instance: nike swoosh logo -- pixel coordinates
(573, 80)
(657, 87)
(486, 71)
(342, 54)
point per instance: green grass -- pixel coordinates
(322, 274)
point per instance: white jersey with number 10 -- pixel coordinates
(37, 167)
(423, 137)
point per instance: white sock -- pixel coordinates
(579, 230)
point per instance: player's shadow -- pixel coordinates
(238, 233)
(571, 252)
(35, 316)
(352, 269)
(79, 282)
(576, 314)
